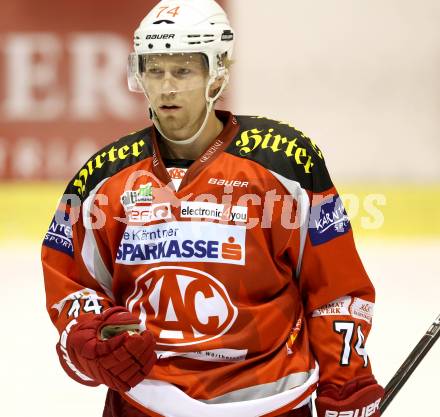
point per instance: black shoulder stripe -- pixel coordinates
(110, 160)
(281, 148)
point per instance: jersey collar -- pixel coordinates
(211, 153)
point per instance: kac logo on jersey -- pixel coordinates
(183, 242)
(328, 220)
(182, 306)
(59, 235)
(176, 173)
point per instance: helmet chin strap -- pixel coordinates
(209, 105)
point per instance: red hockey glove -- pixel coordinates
(359, 397)
(120, 362)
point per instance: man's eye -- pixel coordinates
(154, 71)
(183, 71)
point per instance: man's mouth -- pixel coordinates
(169, 108)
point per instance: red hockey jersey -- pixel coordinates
(247, 274)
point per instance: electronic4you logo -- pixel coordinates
(182, 306)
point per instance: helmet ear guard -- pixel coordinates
(219, 91)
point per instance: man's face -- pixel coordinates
(175, 85)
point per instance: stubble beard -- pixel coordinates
(182, 126)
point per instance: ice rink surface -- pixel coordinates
(407, 279)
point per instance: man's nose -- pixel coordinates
(168, 85)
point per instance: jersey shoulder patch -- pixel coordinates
(111, 159)
(280, 147)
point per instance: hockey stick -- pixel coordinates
(410, 364)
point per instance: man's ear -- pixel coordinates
(215, 86)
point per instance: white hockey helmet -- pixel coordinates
(184, 26)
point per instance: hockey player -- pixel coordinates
(205, 266)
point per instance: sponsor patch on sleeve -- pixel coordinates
(338, 307)
(328, 220)
(362, 309)
(59, 235)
